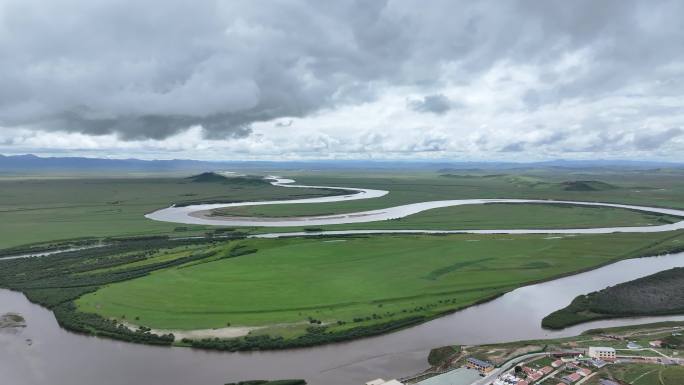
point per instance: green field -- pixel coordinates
(367, 279)
(657, 188)
(48, 209)
(508, 216)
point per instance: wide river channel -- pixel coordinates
(43, 353)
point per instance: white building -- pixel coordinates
(633, 345)
(601, 353)
(380, 381)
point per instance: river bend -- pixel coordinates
(44, 353)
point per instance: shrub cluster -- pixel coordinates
(70, 318)
(315, 335)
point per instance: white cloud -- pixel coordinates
(297, 79)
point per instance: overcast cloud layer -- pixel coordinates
(516, 80)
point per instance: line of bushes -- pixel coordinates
(57, 280)
(441, 356)
(265, 382)
(71, 319)
(47, 247)
(316, 335)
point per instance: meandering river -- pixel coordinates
(201, 214)
(43, 353)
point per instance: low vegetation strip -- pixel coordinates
(437, 273)
(315, 335)
(657, 294)
(212, 177)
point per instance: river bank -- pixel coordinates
(94, 360)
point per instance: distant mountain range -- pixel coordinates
(19, 164)
(33, 163)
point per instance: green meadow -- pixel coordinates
(657, 188)
(34, 210)
(51, 209)
(517, 216)
(507, 216)
(349, 281)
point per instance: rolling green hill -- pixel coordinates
(587, 185)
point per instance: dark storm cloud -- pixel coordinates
(649, 141)
(287, 123)
(150, 69)
(148, 126)
(548, 137)
(437, 104)
(513, 147)
(531, 99)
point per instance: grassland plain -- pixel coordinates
(49, 209)
(352, 281)
(507, 216)
(655, 188)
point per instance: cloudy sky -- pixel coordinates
(470, 80)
